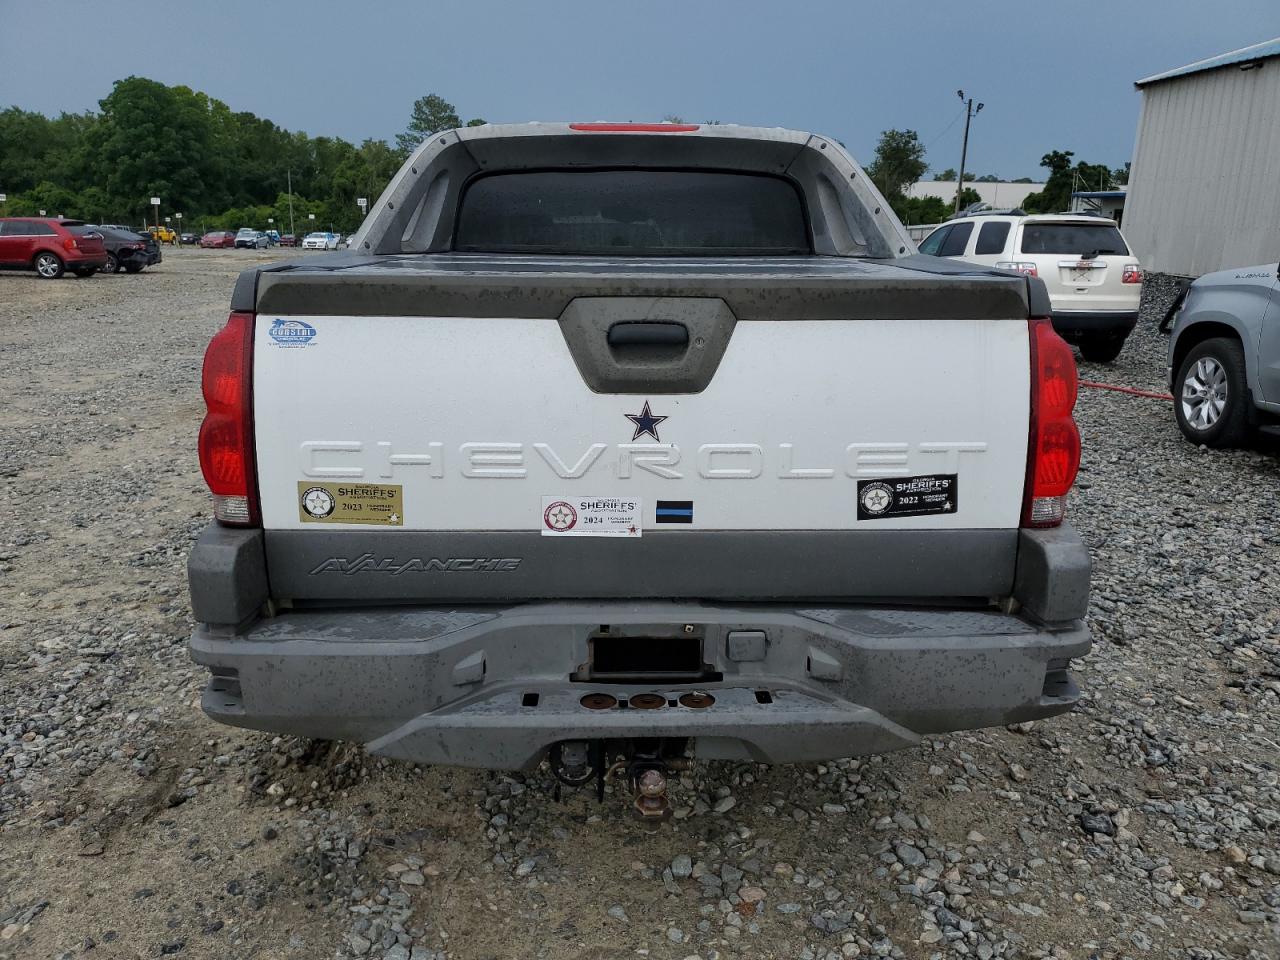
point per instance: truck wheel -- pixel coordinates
(113, 265)
(49, 265)
(1211, 394)
(1101, 348)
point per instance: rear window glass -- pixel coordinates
(991, 237)
(933, 243)
(634, 212)
(1073, 239)
(956, 240)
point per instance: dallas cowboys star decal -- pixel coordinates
(645, 422)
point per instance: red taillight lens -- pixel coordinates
(69, 243)
(634, 127)
(1053, 451)
(226, 435)
(1132, 273)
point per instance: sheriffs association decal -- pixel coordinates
(380, 504)
(935, 493)
(591, 517)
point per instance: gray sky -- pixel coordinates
(1053, 75)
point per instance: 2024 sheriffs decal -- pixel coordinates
(375, 503)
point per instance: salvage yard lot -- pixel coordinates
(1145, 824)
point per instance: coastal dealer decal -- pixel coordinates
(907, 496)
(291, 333)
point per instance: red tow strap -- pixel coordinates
(1133, 390)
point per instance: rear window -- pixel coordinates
(636, 212)
(1073, 239)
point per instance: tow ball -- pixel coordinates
(651, 803)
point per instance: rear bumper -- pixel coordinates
(491, 686)
(1074, 324)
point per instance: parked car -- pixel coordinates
(126, 251)
(164, 234)
(273, 237)
(592, 604)
(320, 241)
(50, 247)
(1094, 280)
(1224, 356)
(188, 239)
(288, 240)
(253, 239)
(218, 238)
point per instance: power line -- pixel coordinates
(954, 121)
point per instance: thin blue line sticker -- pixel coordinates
(674, 511)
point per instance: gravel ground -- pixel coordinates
(1145, 824)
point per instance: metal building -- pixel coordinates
(1204, 188)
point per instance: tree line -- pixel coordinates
(220, 168)
(224, 169)
(899, 161)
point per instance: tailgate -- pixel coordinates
(644, 445)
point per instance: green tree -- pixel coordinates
(987, 178)
(922, 209)
(1121, 174)
(430, 115)
(898, 163)
(946, 176)
(1056, 194)
(153, 140)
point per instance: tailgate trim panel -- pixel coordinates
(397, 565)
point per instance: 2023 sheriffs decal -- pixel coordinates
(376, 503)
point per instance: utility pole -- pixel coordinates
(289, 173)
(969, 114)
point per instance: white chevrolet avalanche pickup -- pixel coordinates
(624, 444)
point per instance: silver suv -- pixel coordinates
(1224, 356)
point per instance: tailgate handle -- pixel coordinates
(648, 333)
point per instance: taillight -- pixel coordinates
(634, 127)
(226, 435)
(69, 243)
(1026, 268)
(1132, 273)
(1053, 448)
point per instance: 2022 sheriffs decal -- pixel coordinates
(908, 496)
(376, 503)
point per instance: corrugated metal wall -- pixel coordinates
(1204, 190)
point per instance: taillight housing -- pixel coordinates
(69, 243)
(1053, 444)
(1132, 273)
(1025, 267)
(226, 435)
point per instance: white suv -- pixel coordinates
(1094, 282)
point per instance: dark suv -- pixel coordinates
(49, 247)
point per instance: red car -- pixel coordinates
(218, 238)
(46, 246)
